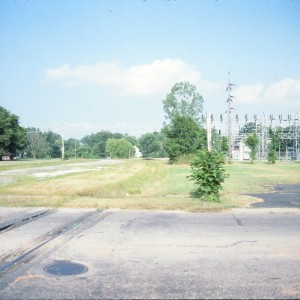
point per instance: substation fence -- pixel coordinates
(287, 129)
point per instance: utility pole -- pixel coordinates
(208, 130)
(264, 140)
(62, 142)
(229, 108)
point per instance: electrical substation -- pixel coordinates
(236, 128)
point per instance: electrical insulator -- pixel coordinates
(246, 118)
(280, 118)
(255, 118)
(212, 118)
(237, 118)
(221, 118)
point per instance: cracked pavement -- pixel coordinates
(158, 254)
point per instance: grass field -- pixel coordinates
(140, 184)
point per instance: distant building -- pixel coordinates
(137, 152)
(5, 157)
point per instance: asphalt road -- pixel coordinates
(287, 195)
(250, 254)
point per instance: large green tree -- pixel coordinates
(151, 144)
(119, 148)
(183, 100)
(72, 147)
(54, 144)
(37, 146)
(184, 136)
(12, 135)
(94, 144)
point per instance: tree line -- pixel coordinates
(16, 141)
(181, 134)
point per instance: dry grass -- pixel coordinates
(145, 184)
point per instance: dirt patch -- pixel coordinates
(4, 180)
(53, 171)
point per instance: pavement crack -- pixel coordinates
(236, 243)
(135, 261)
(237, 220)
(87, 289)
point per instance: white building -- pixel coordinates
(137, 152)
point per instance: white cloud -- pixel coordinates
(286, 91)
(157, 78)
(145, 79)
(249, 93)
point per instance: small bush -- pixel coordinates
(208, 174)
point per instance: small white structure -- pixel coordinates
(137, 152)
(242, 152)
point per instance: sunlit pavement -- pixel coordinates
(147, 254)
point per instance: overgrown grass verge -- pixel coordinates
(146, 184)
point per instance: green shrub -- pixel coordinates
(208, 174)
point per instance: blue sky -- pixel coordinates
(107, 65)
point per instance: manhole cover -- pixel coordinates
(65, 268)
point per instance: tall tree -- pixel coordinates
(183, 100)
(12, 135)
(36, 143)
(54, 144)
(72, 146)
(184, 136)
